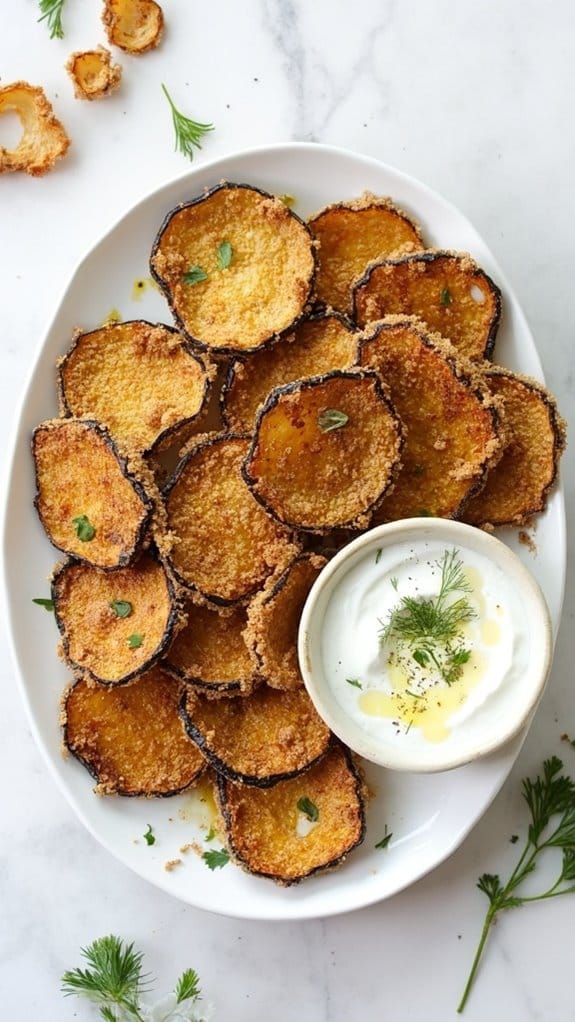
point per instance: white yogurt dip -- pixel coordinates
(425, 643)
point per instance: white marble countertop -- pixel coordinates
(476, 101)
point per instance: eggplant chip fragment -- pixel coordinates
(317, 346)
(91, 501)
(210, 653)
(114, 624)
(131, 738)
(447, 290)
(325, 450)
(136, 378)
(261, 740)
(44, 139)
(237, 267)
(93, 74)
(519, 485)
(135, 26)
(299, 827)
(352, 235)
(451, 420)
(225, 546)
(273, 622)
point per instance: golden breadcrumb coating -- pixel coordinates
(93, 74)
(259, 740)
(131, 737)
(447, 290)
(270, 836)
(267, 280)
(210, 653)
(273, 622)
(317, 346)
(518, 486)
(135, 26)
(354, 234)
(314, 477)
(451, 421)
(44, 139)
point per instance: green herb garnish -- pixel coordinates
(149, 836)
(43, 602)
(85, 531)
(188, 133)
(445, 297)
(354, 681)
(288, 200)
(431, 628)
(331, 419)
(194, 275)
(385, 839)
(52, 11)
(114, 981)
(121, 608)
(308, 808)
(378, 555)
(210, 835)
(550, 797)
(225, 253)
(135, 640)
(216, 859)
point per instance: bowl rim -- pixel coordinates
(435, 758)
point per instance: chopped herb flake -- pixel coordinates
(135, 640)
(385, 839)
(121, 608)
(195, 275)
(210, 835)
(85, 531)
(331, 419)
(378, 555)
(445, 297)
(42, 602)
(307, 807)
(216, 859)
(354, 681)
(225, 253)
(149, 837)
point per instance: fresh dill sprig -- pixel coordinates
(52, 11)
(114, 982)
(550, 795)
(188, 133)
(432, 627)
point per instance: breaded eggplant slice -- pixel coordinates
(43, 140)
(260, 740)
(447, 290)
(270, 836)
(325, 450)
(273, 622)
(317, 346)
(131, 738)
(136, 378)
(93, 74)
(353, 234)
(237, 267)
(519, 485)
(450, 418)
(114, 624)
(225, 546)
(91, 500)
(210, 653)
(135, 26)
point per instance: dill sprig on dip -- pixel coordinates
(431, 627)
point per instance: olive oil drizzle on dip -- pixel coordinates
(388, 670)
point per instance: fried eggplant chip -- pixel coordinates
(44, 139)
(447, 290)
(273, 622)
(135, 26)
(210, 653)
(519, 485)
(299, 827)
(91, 501)
(114, 624)
(451, 420)
(226, 545)
(93, 74)
(325, 450)
(131, 738)
(260, 740)
(317, 346)
(136, 378)
(237, 267)
(352, 235)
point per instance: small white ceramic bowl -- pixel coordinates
(338, 642)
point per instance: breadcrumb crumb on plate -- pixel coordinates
(93, 74)
(44, 139)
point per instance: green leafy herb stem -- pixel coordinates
(189, 134)
(51, 11)
(551, 802)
